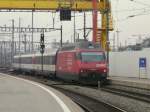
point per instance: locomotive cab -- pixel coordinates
(92, 65)
(82, 61)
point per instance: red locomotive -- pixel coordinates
(82, 61)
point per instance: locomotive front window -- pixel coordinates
(92, 56)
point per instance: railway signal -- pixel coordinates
(65, 7)
(65, 14)
(42, 44)
(42, 49)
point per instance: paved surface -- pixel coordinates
(19, 95)
(135, 82)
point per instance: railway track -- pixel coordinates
(87, 103)
(135, 93)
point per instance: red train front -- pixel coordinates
(83, 61)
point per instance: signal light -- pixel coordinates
(104, 70)
(65, 14)
(42, 37)
(81, 71)
(43, 46)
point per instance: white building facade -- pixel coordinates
(126, 64)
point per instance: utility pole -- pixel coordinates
(1, 53)
(32, 31)
(61, 42)
(10, 53)
(19, 35)
(53, 22)
(4, 48)
(29, 44)
(117, 38)
(12, 43)
(2, 60)
(15, 48)
(74, 28)
(84, 26)
(114, 42)
(25, 43)
(19, 43)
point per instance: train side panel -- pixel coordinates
(67, 67)
(32, 63)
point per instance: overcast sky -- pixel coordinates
(128, 26)
(121, 9)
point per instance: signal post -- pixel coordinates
(42, 49)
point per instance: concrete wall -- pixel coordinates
(126, 64)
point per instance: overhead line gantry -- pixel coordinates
(74, 5)
(49, 4)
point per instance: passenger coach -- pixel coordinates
(82, 61)
(33, 62)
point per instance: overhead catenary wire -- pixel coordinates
(144, 11)
(141, 3)
(134, 15)
(131, 10)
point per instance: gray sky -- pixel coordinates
(121, 9)
(129, 26)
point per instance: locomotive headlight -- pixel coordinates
(81, 71)
(104, 70)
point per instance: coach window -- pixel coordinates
(14, 60)
(49, 60)
(43, 60)
(28, 60)
(53, 60)
(24, 60)
(38, 60)
(46, 60)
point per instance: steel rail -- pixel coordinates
(131, 94)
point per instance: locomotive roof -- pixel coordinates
(81, 45)
(86, 45)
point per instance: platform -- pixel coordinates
(20, 95)
(132, 82)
